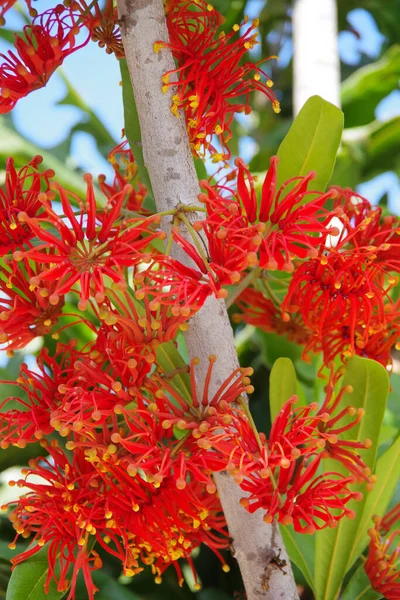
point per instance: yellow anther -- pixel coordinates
(157, 46)
(276, 107)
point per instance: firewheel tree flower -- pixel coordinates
(242, 233)
(213, 83)
(39, 52)
(97, 245)
(20, 194)
(382, 564)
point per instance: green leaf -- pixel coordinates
(28, 579)
(370, 384)
(359, 587)
(6, 554)
(13, 144)
(275, 346)
(132, 126)
(366, 87)
(301, 550)
(377, 501)
(368, 151)
(169, 359)
(282, 385)
(312, 143)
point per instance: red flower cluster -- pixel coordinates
(339, 300)
(264, 314)
(84, 252)
(383, 555)
(49, 39)
(45, 44)
(144, 492)
(211, 77)
(96, 498)
(344, 294)
(21, 193)
(242, 233)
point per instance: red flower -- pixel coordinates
(170, 283)
(340, 294)
(383, 336)
(63, 510)
(381, 565)
(40, 396)
(211, 73)
(364, 227)
(280, 227)
(25, 311)
(102, 24)
(20, 194)
(293, 226)
(44, 46)
(97, 497)
(264, 314)
(87, 253)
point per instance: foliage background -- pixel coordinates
(78, 118)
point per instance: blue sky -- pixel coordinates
(95, 75)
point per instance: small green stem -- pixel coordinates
(246, 410)
(195, 239)
(180, 444)
(246, 281)
(271, 293)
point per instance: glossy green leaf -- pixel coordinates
(370, 384)
(368, 151)
(282, 385)
(6, 554)
(366, 87)
(169, 359)
(377, 501)
(312, 143)
(359, 587)
(13, 144)
(301, 550)
(28, 579)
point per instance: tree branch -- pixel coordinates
(173, 178)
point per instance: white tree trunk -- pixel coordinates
(316, 65)
(173, 178)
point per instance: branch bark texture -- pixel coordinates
(173, 178)
(316, 65)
